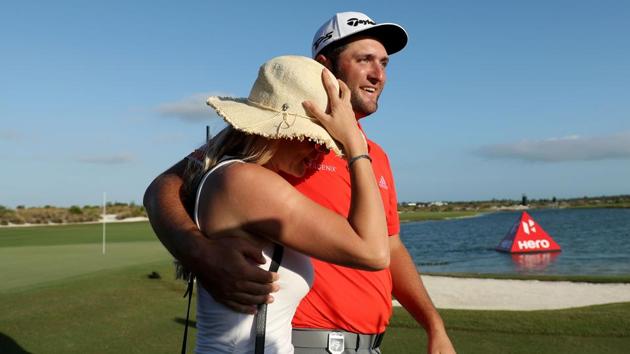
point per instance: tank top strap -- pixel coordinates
(223, 162)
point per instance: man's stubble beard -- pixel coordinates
(359, 106)
(362, 108)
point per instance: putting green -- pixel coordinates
(33, 266)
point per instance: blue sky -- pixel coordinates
(490, 99)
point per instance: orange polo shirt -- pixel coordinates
(345, 298)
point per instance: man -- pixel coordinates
(345, 307)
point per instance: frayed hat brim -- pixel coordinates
(254, 119)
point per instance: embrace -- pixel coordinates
(293, 168)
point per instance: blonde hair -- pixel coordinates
(229, 142)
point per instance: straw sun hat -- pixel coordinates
(274, 106)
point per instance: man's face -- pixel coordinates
(362, 67)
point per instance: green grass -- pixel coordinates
(434, 215)
(25, 267)
(36, 256)
(69, 298)
(122, 311)
(594, 329)
(116, 311)
(60, 294)
(74, 234)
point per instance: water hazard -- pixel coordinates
(593, 241)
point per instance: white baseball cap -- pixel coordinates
(345, 24)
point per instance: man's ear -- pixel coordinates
(322, 59)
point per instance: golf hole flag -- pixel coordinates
(527, 236)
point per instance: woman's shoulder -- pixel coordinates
(249, 190)
(243, 177)
(246, 171)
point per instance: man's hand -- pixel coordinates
(439, 343)
(409, 290)
(226, 265)
(227, 268)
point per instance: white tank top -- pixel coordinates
(221, 330)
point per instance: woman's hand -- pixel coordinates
(340, 122)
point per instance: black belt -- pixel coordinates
(314, 338)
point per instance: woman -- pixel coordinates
(239, 188)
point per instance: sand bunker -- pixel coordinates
(519, 295)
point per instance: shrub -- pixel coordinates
(16, 219)
(4, 211)
(75, 210)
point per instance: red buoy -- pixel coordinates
(527, 236)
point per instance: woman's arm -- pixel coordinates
(366, 208)
(262, 203)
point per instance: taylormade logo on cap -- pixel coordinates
(321, 39)
(345, 24)
(355, 22)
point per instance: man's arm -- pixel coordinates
(222, 265)
(409, 290)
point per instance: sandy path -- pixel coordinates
(493, 294)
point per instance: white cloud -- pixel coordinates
(107, 160)
(570, 148)
(9, 135)
(190, 109)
